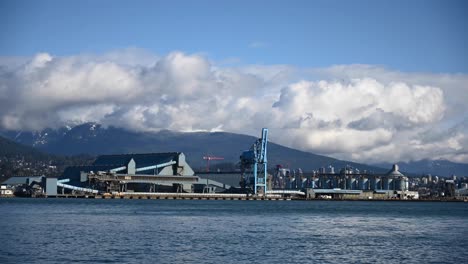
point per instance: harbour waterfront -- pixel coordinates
(210, 231)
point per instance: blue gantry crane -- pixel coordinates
(254, 161)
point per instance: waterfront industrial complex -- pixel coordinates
(168, 175)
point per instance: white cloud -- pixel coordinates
(359, 112)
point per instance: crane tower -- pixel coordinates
(254, 161)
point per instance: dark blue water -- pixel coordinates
(179, 231)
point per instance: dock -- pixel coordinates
(174, 196)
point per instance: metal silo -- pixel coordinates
(403, 184)
(378, 183)
(372, 183)
(385, 183)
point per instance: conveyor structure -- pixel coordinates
(61, 183)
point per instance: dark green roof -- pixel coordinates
(108, 162)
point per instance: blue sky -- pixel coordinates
(367, 81)
(416, 36)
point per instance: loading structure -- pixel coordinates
(254, 163)
(139, 172)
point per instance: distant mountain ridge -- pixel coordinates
(18, 159)
(9, 148)
(94, 139)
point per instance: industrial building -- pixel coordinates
(231, 178)
(29, 186)
(132, 172)
(348, 184)
(153, 173)
(170, 163)
(170, 173)
(347, 179)
(6, 191)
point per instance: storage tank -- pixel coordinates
(391, 184)
(363, 183)
(385, 183)
(398, 178)
(378, 183)
(372, 183)
(349, 183)
(325, 182)
(354, 183)
(315, 183)
(404, 183)
(335, 182)
(360, 183)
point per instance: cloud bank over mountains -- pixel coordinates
(360, 112)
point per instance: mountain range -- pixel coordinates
(94, 139)
(11, 149)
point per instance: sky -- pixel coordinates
(368, 81)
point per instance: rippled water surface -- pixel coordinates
(179, 231)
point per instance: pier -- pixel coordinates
(174, 196)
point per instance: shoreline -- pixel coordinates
(231, 197)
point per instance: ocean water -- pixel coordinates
(184, 231)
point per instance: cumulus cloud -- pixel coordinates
(359, 112)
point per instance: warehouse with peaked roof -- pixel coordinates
(169, 163)
(164, 164)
